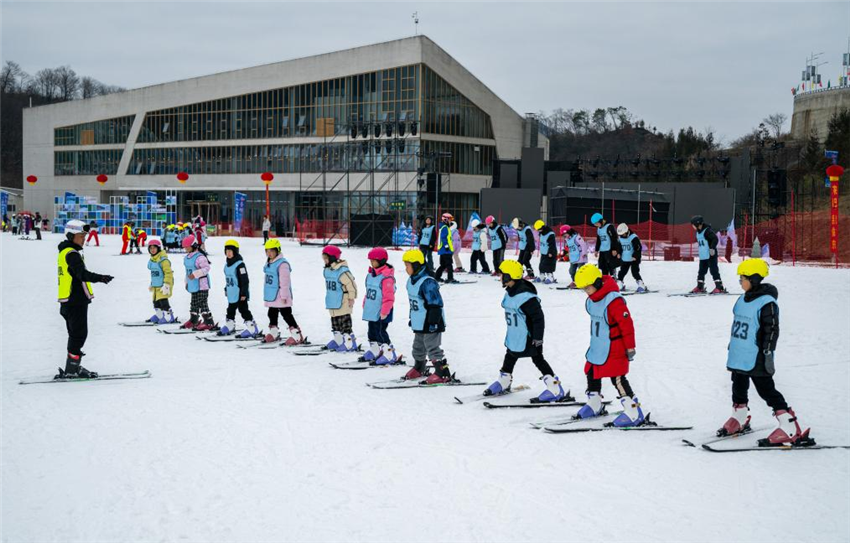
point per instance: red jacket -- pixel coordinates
(622, 333)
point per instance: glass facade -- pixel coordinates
(448, 112)
(86, 162)
(465, 158)
(110, 131)
(322, 108)
(380, 155)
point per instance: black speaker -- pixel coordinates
(432, 184)
(777, 184)
(371, 230)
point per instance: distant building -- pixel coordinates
(812, 111)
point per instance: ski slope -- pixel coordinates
(226, 444)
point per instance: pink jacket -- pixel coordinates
(387, 288)
(202, 270)
(284, 293)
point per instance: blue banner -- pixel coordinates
(238, 209)
(4, 203)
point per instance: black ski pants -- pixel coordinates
(429, 257)
(478, 258)
(607, 263)
(524, 258)
(764, 386)
(498, 256)
(621, 383)
(244, 312)
(536, 354)
(626, 266)
(77, 323)
(445, 265)
(285, 312)
(162, 303)
(709, 264)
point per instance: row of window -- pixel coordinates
(86, 162)
(446, 111)
(109, 131)
(458, 157)
(322, 108)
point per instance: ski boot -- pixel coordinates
(73, 369)
(192, 323)
(699, 289)
(372, 353)
(500, 385)
(554, 391)
(272, 335)
(334, 343)
(593, 407)
(632, 414)
(295, 337)
(168, 317)
(414, 373)
(157, 317)
(207, 325)
(718, 288)
(349, 343)
(641, 288)
(442, 373)
(621, 285)
(738, 423)
(250, 330)
(387, 357)
(228, 328)
(788, 432)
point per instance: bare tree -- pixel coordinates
(12, 77)
(775, 123)
(89, 87)
(68, 81)
(599, 122)
(46, 83)
(109, 89)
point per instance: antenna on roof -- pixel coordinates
(415, 18)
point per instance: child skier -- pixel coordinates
(707, 245)
(612, 346)
(498, 241)
(524, 336)
(548, 252)
(605, 250)
(141, 237)
(340, 294)
(238, 293)
(93, 233)
(378, 307)
(445, 248)
(126, 236)
(162, 283)
(198, 284)
(427, 320)
(526, 245)
(575, 250)
(457, 244)
(755, 332)
(480, 239)
(277, 294)
(170, 238)
(631, 255)
(426, 242)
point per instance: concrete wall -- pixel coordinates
(40, 122)
(813, 111)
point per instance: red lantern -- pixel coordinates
(31, 179)
(834, 171)
(267, 177)
(182, 177)
(102, 179)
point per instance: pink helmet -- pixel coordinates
(332, 250)
(378, 253)
(566, 228)
(155, 242)
(490, 219)
(188, 242)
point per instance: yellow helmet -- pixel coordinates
(754, 266)
(170, 227)
(587, 275)
(511, 268)
(413, 256)
(538, 224)
(272, 244)
(232, 243)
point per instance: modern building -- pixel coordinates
(343, 133)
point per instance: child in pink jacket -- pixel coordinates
(378, 308)
(277, 294)
(197, 282)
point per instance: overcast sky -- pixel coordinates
(674, 64)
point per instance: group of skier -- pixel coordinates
(612, 344)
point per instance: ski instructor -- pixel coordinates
(75, 294)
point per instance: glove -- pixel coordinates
(630, 354)
(712, 252)
(165, 289)
(768, 362)
(537, 343)
(106, 279)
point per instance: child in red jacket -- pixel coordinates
(612, 346)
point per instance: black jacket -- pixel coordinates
(534, 319)
(552, 249)
(529, 240)
(637, 247)
(500, 231)
(79, 274)
(710, 236)
(612, 235)
(768, 333)
(241, 275)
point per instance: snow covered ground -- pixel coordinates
(230, 444)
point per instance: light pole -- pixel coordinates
(267, 178)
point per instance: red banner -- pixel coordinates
(833, 219)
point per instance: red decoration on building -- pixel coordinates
(182, 177)
(31, 179)
(267, 177)
(102, 179)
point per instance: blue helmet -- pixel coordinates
(595, 218)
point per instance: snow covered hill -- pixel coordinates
(226, 444)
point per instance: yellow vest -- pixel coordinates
(65, 279)
(449, 240)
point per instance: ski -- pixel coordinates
(417, 383)
(105, 377)
(633, 292)
(567, 401)
(365, 365)
(565, 288)
(323, 350)
(648, 425)
(147, 323)
(184, 331)
(279, 344)
(457, 282)
(228, 338)
(573, 420)
(776, 448)
(747, 430)
(479, 397)
(700, 294)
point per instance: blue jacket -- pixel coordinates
(430, 292)
(446, 245)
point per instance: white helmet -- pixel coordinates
(75, 226)
(622, 228)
